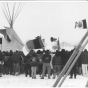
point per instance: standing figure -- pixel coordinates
(84, 58)
(56, 62)
(6, 64)
(74, 68)
(27, 66)
(63, 56)
(73, 71)
(52, 55)
(27, 60)
(80, 65)
(40, 63)
(16, 63)
(10, 63)
(1, 62)
(46, 64)
(34, 64)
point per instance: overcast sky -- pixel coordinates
(49, 19)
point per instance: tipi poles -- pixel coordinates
(80, 51)
(11, 17)
(9, 13)
(20, 6)
(6, 14)
(70, 60)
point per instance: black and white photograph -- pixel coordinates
(44, 0)
(43, 44)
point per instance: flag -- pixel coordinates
(56, 45)
(53, 39)
(35, 44)
(81, 24)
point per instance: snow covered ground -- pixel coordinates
(8, 81)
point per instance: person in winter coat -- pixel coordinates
(63, 56)
(56, 62)
(27, 66)
(27, 60)
(16, 63)
(74, 71)
(6, 63)
(22, 57)
(46, 64)
(1, 62)
(40, 63)
(34, 64)
(84, 58)
(52, 55)
(80, 65)
(10, 62)
(74, 68)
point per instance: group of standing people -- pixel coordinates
(33, 63)
(10, 62)
(42, 63)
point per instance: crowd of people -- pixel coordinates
(41, 62)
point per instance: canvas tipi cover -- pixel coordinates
(11, 41)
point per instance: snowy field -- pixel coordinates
(8, 81)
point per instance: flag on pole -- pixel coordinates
(81, 24)
(35, 44)
(53, 39)
(58, 44)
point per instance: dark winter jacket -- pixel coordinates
(16, 57)
(84, 58)
(27, 59)
(6, 61)
(57, 60)
(34, 62)
(10, 61)
(40, 56)
(46, 58)
(1, 56)
(63, 56)
(79, 61)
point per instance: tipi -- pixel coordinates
(11, 41)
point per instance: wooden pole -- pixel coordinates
(80, 51)
(70, 60)
(58, 44)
